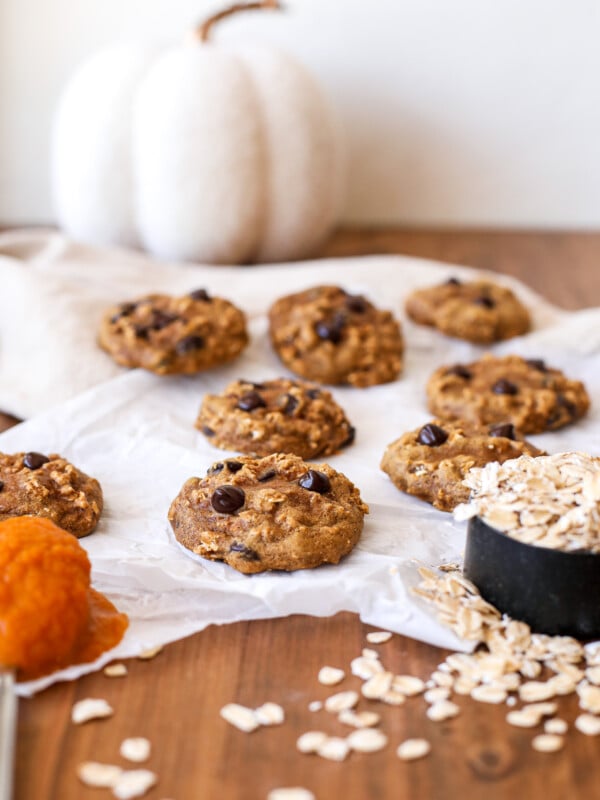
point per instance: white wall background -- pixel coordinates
(456, 112)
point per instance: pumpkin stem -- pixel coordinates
(202, 32)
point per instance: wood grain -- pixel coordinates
(175, 699)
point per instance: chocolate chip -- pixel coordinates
(504, 387)
(351, 436)
(291, 404)
(432, 435)
(258, 386)
(245, 552)
(160, 319)
(215, 468)
(189, 343)
(125, 309)
(141, 331)
(34, 460)
(234, 466)
(331, 330)
(267, 476)
(356, 303)
(227, 499)
(207, 431)
(250, 401)
(484, 301)
(505, 430)
(460, 371)
(453, 282)
(570, 407)
(315, 481)
(537, 363)
(200, 294)
(1, 485)
(313, 393)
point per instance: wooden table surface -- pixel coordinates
(174, 700)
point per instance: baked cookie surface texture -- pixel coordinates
(329, 336)
(478, 311)
(532, 396)
(276, 416)
(273, 513)
(32, 484)
(174, 335)
(432, 461)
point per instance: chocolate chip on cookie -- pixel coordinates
(174, 335)
(508, 389)
(51, 487)
(432, 467)
(282, 416)
(326, 335)
(478, 311)
(275, 513)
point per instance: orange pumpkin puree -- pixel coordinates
(50, 617)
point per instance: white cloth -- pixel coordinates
(134, 432)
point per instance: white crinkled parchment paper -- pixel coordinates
(135, 434)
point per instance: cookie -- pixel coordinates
(269, 513)
(326, 335)
(478, 311)
(51, 487)
(278, 416)
(432, 461)
(174, 335)
(525, 392)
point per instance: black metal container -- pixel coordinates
(555, 592)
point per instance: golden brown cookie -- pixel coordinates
(51, 487)
(432, 461)
(326, 335)
(534, 397)
(478, 311)
(269, 513)
(277, 416)
(174, 335)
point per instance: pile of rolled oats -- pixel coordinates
(511, 664)
(548, 501)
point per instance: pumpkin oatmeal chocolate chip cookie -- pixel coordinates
(525, 392)
(478, 311)
(432, 461)
(174, 335)
(51, 487)
(277, 416)
(326, 335)
(269, 513)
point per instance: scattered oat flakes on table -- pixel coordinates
(329, 676)
(412, 749)
(291, 793)
(378, 637)
(135, 749)
(90, 708)
(115, 671)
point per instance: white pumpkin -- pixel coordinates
(198, 152)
